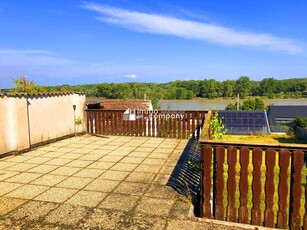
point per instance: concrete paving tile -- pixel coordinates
(133, 160)
(78, 163)
(132, 144)
(90, 157)
(24, 177)
(140, 177)
(57, 195)
(139, 154)
(102, 185)
(181, 208)
(155, 206)
(35, 153)
(124, 167)
(131, 188)
(72, 156)
(27, 191)
(21, 167)
(167, 170)
(49, 148)
(86, 198)
(8, 204)
(149, 145)
(114, 175)
(148, 168)
(74, 182)
(144, 149)
(158, 156)
(58, 161)
(6, 187)
(65, 171)
(187, 224)
(43, 168)
(119, 153)
(101, 165)
(161, 191)
(104, 219)
(18, 159)
(37, 160)
(153, 161)
(75, 145)
(119, 202)
(49, 180)
(126, 148)
(7, 174)
(90, 173)
(67, 214)
(81, 151)
(101, 152)
(52, 154)
(63, 150)
(109, 147)
(33, 210)
(111, 158)
(161, 179)
(163, 151)
(141, 221)
(6, 164)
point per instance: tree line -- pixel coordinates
(189, 89)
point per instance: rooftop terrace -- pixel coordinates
(95, 182)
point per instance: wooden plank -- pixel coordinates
(158, 125)
(305, 215)
(206, 163)
(193, 122)
(188, 124)
(284, 161)
(179, 122)
(184, 126)
(243, 185)
(296, 189)
(87, 122)
(256, 186)
(231, 184)
(105, 120)
(219, 183)
(270, 159)
(174, 127)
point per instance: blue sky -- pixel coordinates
(77, 42)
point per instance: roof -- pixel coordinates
(287, 111)
(124, 105)
(40, 94)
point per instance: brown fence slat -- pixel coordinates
(256, 186)
(296, 189)
(179, 122)
(206, 158)
(270, 157)
(305, 215)
(174, 127)
(188, 124)
(184, 126)
(231, 184)
(219, 183)
(243, 185)
(87, 122)
(282, 217)
(193, 121)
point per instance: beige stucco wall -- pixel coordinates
(46, 117)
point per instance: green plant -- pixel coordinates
(217, 128)
(78, 120)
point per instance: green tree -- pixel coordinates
(243, 86)
(217, 128)
(25, 86)
(253, 104)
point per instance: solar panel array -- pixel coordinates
(244, 122)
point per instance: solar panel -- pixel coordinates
(244, 122)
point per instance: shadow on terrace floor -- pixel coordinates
(186, 174)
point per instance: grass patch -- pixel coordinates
(267, 139)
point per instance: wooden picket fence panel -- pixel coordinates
(262, 185)
(168, 124)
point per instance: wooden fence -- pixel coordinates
(169, 124)
(261, 185)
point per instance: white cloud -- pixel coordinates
(159, 24)
(30, 57)
(132, 76)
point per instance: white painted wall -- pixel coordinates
(26, 120)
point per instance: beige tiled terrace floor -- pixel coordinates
(94, 182)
